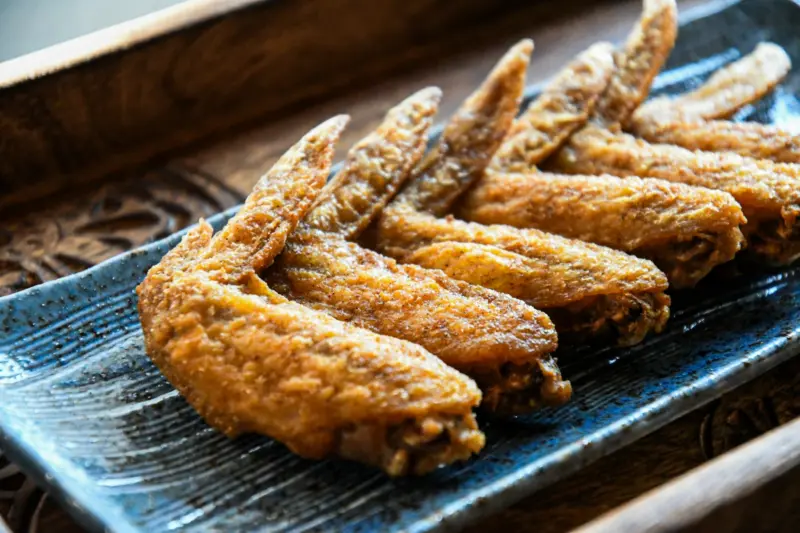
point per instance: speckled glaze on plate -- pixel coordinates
(84, 411)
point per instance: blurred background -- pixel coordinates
(30, 25)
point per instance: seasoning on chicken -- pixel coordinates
(250, 361)
(502, 342)
(684, 230)
(688, 120)
(619, 294)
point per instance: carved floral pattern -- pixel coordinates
(89, 226)
(79, 230)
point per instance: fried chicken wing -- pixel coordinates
(684, 230)
(768, 192)
(470, 138)
(563, 106)
(500, 341)
(748, 139)
(725, 92)
(645, 52)
(248, 360)
(554, 276)
(576, 283)
(687, 120)
(375, 168)
(487, 335)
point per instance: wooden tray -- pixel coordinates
(135, 154)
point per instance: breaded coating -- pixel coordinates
(574, 282)
(249, 361)
(748, 139)
(684, 230)
(410, 222)
(687, 120)
(638, 63)
(563, 106)
(724, 93)
(768, 192)
(470, 138)
(273, 208)
(478, 331)
(502, 342)
(375, 168)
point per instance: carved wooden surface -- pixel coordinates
(47, 236)
(95, 222)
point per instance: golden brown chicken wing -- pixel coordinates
(502, 342)
(684, 230)
(645, 52)
(563, 106)
(687, 119)
(748, 139)
(250, 361)
(768, 192)
(555, 276)
(586, 289)
(726, 91)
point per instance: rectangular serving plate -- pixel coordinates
(84, 411)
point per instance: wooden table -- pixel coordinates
(122, 203)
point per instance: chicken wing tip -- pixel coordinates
(523, 47)
(773, 54)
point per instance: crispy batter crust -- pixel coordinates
(375, 168)
(470, 137)
(642, 57)
(563, 106)
(748, 139)
(725, 92)
(688, 120)
(545, 270)
(768, 192)
(685, 230)
(275, 206)
(470, 328)
(249, 361)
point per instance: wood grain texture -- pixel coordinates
(127, 107)
(259, 60)
(756, 488)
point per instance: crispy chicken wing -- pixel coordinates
(500, 341)
(748, 139)
(638, 63)
(768, 192)
(687, 120)
(563, 106)
(726, 91)
(250, 361)
(684, 230)
(586, 289)
(503, 343)
(551, 275)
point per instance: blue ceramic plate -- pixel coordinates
(84, 411)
